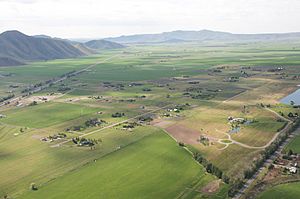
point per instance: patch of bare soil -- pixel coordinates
(272, 174)
(45, 98)
(161, 123)
(132, 105)
(76, 99)
(183, 134)
(211, 187)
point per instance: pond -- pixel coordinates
(295, 97)
(235, 130)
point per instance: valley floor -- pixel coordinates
(129, 125)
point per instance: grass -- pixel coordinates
(137, 171)
(226, 141)
(290, 191)
(46, 114)
(154, 166)
(25, 159)
(294, 145)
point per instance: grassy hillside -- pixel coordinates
(20, 47)
(103, 44)
(203, 35)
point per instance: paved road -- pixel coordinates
(255, 147)
(267, 162)
(113, 125)
(56, 81)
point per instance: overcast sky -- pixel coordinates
(103, 18)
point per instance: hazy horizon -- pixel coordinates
(100, 19)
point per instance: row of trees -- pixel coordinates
(93, 122)
(117, 114)
(37, 85)
(7, 97)
(49, 82)
(86, 142)
(267, 153)
(210, 168)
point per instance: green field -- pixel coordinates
(290, 191)
(294, 145)
(46, 114)
(154, 167)
(152, 81)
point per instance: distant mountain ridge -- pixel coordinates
(17, 48)
(202, 35)
(103, 44)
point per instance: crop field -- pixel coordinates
(138, 171)
(32, 160)
(294, 145)
(290, 191)
(138, 105)
(46, 114)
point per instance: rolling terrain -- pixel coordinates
(103, 45)
(203, 36)
(17, 46)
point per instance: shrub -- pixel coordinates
(181, 144)
(33, 103)
(33, 187)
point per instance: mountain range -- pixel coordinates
(200, 36)
(103, 44)
(17, 48)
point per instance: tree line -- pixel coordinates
(238, 183)
(266, 154)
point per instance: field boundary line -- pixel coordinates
(58, 80)
(112, 125)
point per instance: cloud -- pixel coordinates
(20, 1)
(117, 17)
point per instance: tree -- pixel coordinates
(226, 179)
(181, 144)
(290, 152)
(33, 103)
(292, 103)
(290, 114)
(209, 168)
(33, 187)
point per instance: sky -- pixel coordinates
(105, 18)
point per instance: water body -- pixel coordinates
(295, 96)
(235, 130)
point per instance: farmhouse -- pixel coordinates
(236, 120)
(292, 169)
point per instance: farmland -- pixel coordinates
(294, 145)
(138, 171)
(142, 110)
(282, 191)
